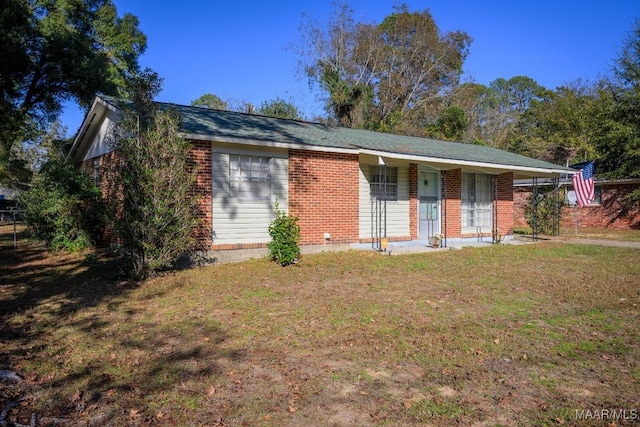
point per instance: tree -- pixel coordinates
(505, 103)
(559, 126)
(63, 206)
(154, 178)
(450, 125)
(627, 65)
(472, 99)
(617, 131)
(418, 65)
(54, 51)
(392, 76)
(618, 138)
(279, 108)
(209, 100)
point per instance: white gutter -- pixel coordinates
(463, 162)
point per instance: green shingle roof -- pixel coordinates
(234, 127)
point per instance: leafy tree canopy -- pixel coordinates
(391, 76)
(279, 108)
(209, 100)
(618, 137)
(52, 51)
(63, 206)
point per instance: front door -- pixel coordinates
(428, 204)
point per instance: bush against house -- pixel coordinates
(547, 209)
(152, 176)
(285, 238)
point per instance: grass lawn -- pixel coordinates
(7, 231)
(503, 335)
(592, 233)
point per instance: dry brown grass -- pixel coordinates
(502, 335)
(628, 235)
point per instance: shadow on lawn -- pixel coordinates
(41, 291)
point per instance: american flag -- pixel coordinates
(583, 184)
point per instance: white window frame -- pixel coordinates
(250, 177)
(375, 184)
(476, 204)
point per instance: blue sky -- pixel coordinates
(238, 50)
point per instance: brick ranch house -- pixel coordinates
(347, 186)
(605, 211)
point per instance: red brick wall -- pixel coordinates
(200, 155)
(609, 214)
(504, 204)
(520, 195)
(413, 200)
(451, 203)
(323, 194)
(110, 193)
(452, 196)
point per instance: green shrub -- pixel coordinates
(545, 210)
(158, 220)
(285, 238)
(63, 206)
(154, 176)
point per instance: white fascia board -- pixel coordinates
(260, 143)
(481, 165)
(98, 103)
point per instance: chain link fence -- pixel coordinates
(12, 225)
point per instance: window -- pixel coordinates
(250, 177)
(597, 196)
(377, 186)
(476, 201)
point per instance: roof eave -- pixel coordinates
(534, 171)
(88, 121)
(262, 143)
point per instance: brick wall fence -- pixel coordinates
(323, 193)
(609, 213)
